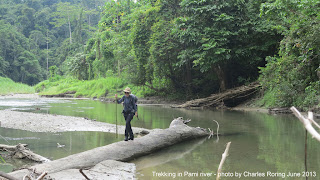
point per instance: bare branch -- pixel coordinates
(307, 124)
(217, 129)
(310, 118)
(224, 156)
(42, 176)
(83, 174)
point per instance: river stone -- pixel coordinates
(109, 169)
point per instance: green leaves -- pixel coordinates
(293, 76)
(64, 14)
(16, 61)
(169, 44)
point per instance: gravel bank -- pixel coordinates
(55, 123)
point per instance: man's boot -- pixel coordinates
(126, 138)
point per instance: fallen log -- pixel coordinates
(229, 98)
(124, 150)
(7, 176)
(279, 111)
(4, 147)
(20, 152)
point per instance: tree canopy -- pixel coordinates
(182, 47)
(33, 35)
(291, 77)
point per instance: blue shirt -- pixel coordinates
(129, 104)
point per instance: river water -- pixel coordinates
(263, 146)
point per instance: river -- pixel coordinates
(263, 146)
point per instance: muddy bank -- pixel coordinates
(56, 123)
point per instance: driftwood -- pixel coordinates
(7, 176)
(124, 150)
(307, 122)
(33, 175)
(229, 98)
(4, 147)
(212, 132)
(20, 152)
(279, 111)
(224, 156)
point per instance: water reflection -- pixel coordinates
(260, 142)
(169, 154)
(45, 144)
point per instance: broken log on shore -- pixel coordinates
(229, 98)
(124, 150)
(279, 111)
(20, 152)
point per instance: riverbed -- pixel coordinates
(263, 146)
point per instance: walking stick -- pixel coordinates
(116, 117)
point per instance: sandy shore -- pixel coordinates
(56, 123)
(29, 96)
(53, 123)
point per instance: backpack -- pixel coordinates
(134, 98)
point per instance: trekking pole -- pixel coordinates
(116, 116)
(137, 112)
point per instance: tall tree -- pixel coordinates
(65, 14)
(26, 20)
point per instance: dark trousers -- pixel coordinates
(128, 117)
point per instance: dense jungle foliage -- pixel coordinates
(181, 47)
(292, 76)
(37, 34)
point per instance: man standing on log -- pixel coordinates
(129, 110)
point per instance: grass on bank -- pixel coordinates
(103, 87)
(7, 86)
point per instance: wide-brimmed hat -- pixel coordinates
(128, 90)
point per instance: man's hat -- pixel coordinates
(128, 90)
